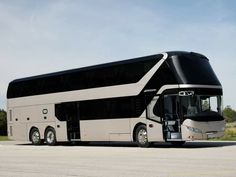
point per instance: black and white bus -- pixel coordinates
(171, 97)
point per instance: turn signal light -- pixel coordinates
(150, 125)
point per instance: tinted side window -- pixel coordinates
(123, 107)
(163, 76)
(107, 76)
(158, 108)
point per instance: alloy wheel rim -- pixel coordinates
(50, 137)
(142, 136)
(35, 137)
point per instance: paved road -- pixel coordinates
(200, 159)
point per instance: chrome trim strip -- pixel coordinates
(165, 55)
(199, 86)
(165, 87)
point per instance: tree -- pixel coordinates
(3, 122)
(229, 114)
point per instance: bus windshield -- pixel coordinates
(202, 107)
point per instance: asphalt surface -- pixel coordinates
(198, 159)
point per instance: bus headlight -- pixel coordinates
(195, 130)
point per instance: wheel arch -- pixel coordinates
(135, 128)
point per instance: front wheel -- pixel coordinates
(50, 136)
(141, 136)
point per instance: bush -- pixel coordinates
(229, 114)
(3, 122)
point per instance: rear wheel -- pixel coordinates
(141, 136)
(50, 136)
(35, 136)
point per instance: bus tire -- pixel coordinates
(141, 136)
(35, 136)
(50, 136)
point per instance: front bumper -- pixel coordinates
(194, 130)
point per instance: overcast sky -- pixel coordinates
(38, 37)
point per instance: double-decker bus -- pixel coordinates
(170, 97)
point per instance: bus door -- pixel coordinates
(73, 122)
(69, 112)
(171, 118)
(154, 120)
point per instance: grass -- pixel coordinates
(230, 133)
(231, 125)
(3, 138)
